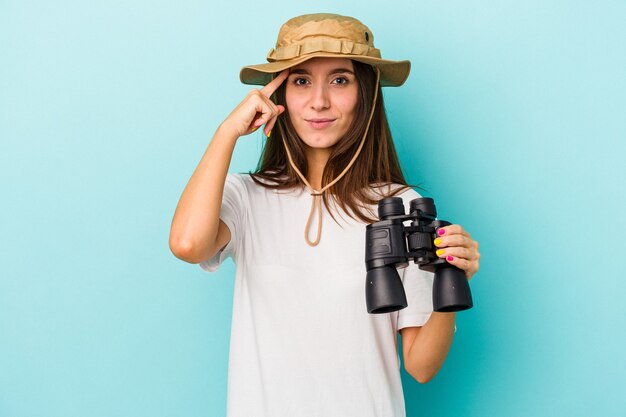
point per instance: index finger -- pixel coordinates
(269, 89)
(452, 229)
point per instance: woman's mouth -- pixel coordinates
(320, 123)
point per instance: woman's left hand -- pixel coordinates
(458, 248)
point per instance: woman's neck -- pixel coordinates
(317, 159)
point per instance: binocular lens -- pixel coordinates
(425, 205)
(392, 206)
(451, 291)
(384, 291)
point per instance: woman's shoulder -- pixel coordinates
(238, 179)
(244, 178)
(409, 194)
(254, 184)
(406, 192)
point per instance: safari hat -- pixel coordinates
(325, 35)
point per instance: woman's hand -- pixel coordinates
(256, 109)
(458, 248)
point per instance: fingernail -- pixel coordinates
(269, 133)
(450, 258)
(440, 252)
(441, 232)
(438, 241)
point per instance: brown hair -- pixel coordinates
(377, 165)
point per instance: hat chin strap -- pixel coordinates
(317, 195)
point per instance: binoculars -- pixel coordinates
(386, 251)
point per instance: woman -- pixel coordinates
(302, 342)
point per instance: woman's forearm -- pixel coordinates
(430, 347)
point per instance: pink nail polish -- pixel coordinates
(441, 232)
(450, 258)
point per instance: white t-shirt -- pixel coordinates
(302, 342)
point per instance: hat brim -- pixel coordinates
(392, 73)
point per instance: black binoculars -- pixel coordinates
(386, 250)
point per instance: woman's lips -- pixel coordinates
(320, 123)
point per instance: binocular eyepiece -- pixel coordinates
(386, 243)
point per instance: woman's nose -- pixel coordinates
(319, 97)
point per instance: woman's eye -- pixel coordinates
(299, 81)
(343, 80)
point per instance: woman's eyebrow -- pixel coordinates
(333, 71)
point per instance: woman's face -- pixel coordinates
(321, 97)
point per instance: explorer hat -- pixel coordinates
(325, 35)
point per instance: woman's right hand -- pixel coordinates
(256, 109)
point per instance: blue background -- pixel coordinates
(513, 119)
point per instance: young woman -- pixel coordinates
(302, 342)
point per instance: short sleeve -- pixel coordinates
(232, 213)
(418, 287)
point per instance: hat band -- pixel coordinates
(335, 46)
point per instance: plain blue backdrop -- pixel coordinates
(513, 119)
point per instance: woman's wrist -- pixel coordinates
(226, 132)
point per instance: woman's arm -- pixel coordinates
(195, 233)
(425, 348)
(195, 226)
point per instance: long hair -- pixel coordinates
(376, 168)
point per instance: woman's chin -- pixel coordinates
(317, 142)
